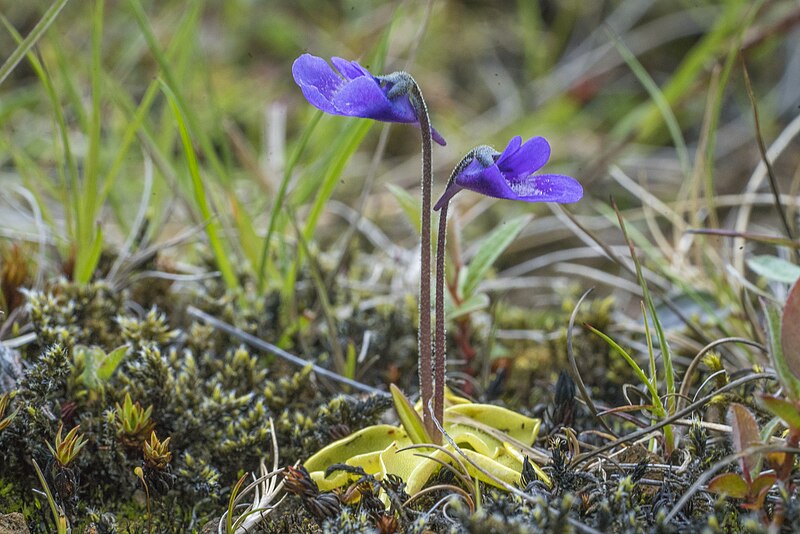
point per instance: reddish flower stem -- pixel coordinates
(440, 355)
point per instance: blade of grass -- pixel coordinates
(281, 194)
(137, 116)
(70, 192)
(646, 117)
(676, 278)
(350, 141)
(762, 149)
(322, 295)
(758, 238)
(86, 260)
(651, 387)
(242, 222)
(66, 71)
(200, 196)
(649, 340)
(58, 515)
(175, 88)
(711, 146)
(659, 100)
(669, 375)
(24, 46)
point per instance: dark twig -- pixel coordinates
(260, 344)
(669, 420)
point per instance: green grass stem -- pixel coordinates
(200, 198)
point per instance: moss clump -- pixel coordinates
(210, 397)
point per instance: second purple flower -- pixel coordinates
(510, 174)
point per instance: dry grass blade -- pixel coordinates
(762, 149)
(758, 238)
(573, 365)
(746, 200)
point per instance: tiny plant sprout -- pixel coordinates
(67, 448)
(133, 422)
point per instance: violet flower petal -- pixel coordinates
(364, 98)
(526, 159)
(317, 81)
(548, 188)
(349, 69)
(487, 181)
(351, 90)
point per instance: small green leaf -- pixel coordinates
(729, 484)
(491, 248)
(477, 302)
(774, 268)
(788, 411)
(409, 418)
(351, 359)
(86, 259)
(111, 362)
(408, 204)
(89, 358)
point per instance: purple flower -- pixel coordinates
(351, 90)
(510, 175)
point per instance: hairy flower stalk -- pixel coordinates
(508, 175)
(427, 367)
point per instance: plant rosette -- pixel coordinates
(493, 441)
